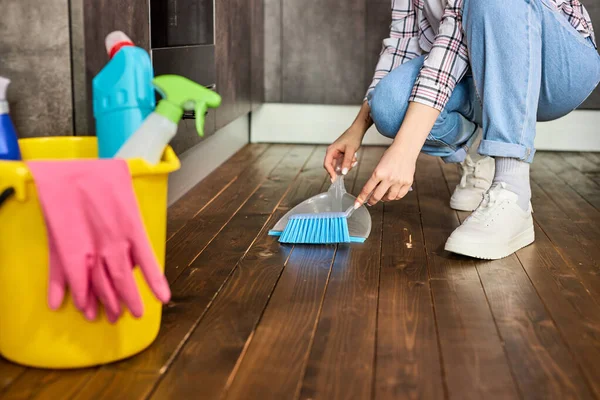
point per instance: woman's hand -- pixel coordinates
(395, 173)
(342, 153)
(392, 179)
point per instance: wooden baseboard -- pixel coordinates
(205, 157)
(322, 124)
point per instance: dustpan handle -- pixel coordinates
(6, 194)
(351, 209)
(337, 189)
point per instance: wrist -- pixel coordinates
(358, 130)
(363, 120)
(404, 150)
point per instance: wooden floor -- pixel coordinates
(396, 317)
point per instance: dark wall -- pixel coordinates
(239, 42)
(593, 6)
(101, 17)
(35, 55)
(319, 52)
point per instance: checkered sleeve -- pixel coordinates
(579, 18)
(403, 43)
(446, 63)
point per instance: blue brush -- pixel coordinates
(320, 228)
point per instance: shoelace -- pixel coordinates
(489, 203)
(469, 175)
(468, 169)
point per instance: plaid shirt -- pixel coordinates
(447, 59)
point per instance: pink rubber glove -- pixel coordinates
(96, 236)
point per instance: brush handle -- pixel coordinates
(351, 209)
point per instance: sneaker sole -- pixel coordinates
(464, 206)
(492, 251)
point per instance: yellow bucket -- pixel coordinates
(32, 334)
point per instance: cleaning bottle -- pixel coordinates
(9, 144)
(179, 94)
(123, 95)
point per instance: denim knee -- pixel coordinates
(481, 10)
(477, 13)
(389, 99)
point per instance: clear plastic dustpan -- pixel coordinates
(336, 199)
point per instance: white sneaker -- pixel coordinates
(476, 179)
(496, 229)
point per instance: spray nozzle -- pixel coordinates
(181, 94)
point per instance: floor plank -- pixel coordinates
(211, 187)
(576, 242)
(9, 372)
(281, 342)
(197, 286)
(273, 365)
(228, 325)
(571, 306)
(44, 384)
(579, 161)
(543, 365)
(577, 180)
(438, 222)
(568, 200)
(474, 362)
(341, 360)
(118, 385)
(594, 157)
(595, 177)
(188, 242)
(408, 362)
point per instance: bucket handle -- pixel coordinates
(6, 194)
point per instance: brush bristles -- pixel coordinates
(324, 228)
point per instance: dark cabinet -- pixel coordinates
(593, 6)
(181, 22)
(322, 53)
(233, 40)
(236, 29)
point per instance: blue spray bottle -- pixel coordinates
(9, 144)
(123, 95)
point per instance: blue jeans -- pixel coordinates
(528, 64)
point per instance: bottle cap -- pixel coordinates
(4, 82)
(115, 41)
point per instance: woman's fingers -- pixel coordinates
(403, 191)
(329, 162)
(379, 193)
(392, 193)
(366, 191)
(349, 154)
